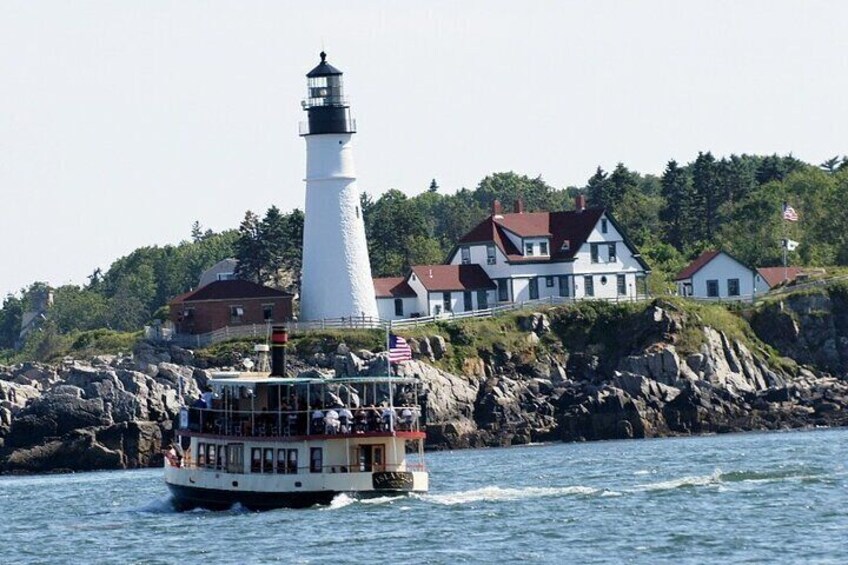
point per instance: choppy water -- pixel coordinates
(734, 498)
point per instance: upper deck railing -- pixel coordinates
(284, 424)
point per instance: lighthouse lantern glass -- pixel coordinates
(325, 91)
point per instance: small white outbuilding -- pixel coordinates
(717, 275)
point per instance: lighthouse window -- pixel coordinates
(357, 211)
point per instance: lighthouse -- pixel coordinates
(336, 280)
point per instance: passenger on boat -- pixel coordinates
(361, 421)
(345, 419)
(317, 421)
(388, 417)
(331, 422)
(373, 419)
(406, 417)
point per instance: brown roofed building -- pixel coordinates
(229, 303)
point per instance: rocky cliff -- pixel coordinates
(585, 372)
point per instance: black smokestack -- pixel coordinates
(279, 339)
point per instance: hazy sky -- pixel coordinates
(123, 122)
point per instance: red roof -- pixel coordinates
(229, 290)
(560, 227)
(776, 275)
(453, 277)
(393, 287)
(696, 265)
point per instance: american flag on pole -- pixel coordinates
(789, 213)
(399, 350)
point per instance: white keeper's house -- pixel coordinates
(519, 257)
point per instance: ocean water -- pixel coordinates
(759, 497)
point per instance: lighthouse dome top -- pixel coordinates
(324, 69)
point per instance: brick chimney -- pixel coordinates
(497, 209)
(580, 202)
(519, 206)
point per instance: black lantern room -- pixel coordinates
(325, 103)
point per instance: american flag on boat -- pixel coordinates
(399, 350)
(789, 213)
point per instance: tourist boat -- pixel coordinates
(264, 440)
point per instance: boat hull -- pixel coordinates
(188, 498)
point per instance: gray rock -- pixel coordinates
(439, 346)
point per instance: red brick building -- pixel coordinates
(229, 303)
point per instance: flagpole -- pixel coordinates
(389, 365)
(785, 244)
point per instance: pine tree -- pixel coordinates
(677, 193)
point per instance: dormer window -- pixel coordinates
(528, 249)
(543, 248)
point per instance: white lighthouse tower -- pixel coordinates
(336, 279)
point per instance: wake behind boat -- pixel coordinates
(264, 440)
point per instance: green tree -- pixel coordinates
(10, 321)
(677, 204)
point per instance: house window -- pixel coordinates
(225, 276)
(543, 248)
(613, 257)
(466, 255)
(732, 287)
(236, 313)
(594, 248)
(446, 301)
(503, 290)
(712, 288)
(604, 226)
(563, 285)
(549, 282)
(621, 285)
(528, 249)
(267, 312)
(316, 459)
(398, 306)
(466, 301)
(482, 299)
(491, 258)
(566, 245)
(534, 288)
(589, 284)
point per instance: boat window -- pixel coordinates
(201, 454)
(210, 455)
(281, 461)
(222, 458)
(268, 462)
(316, 459)
(292, 467)
(256, 460)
